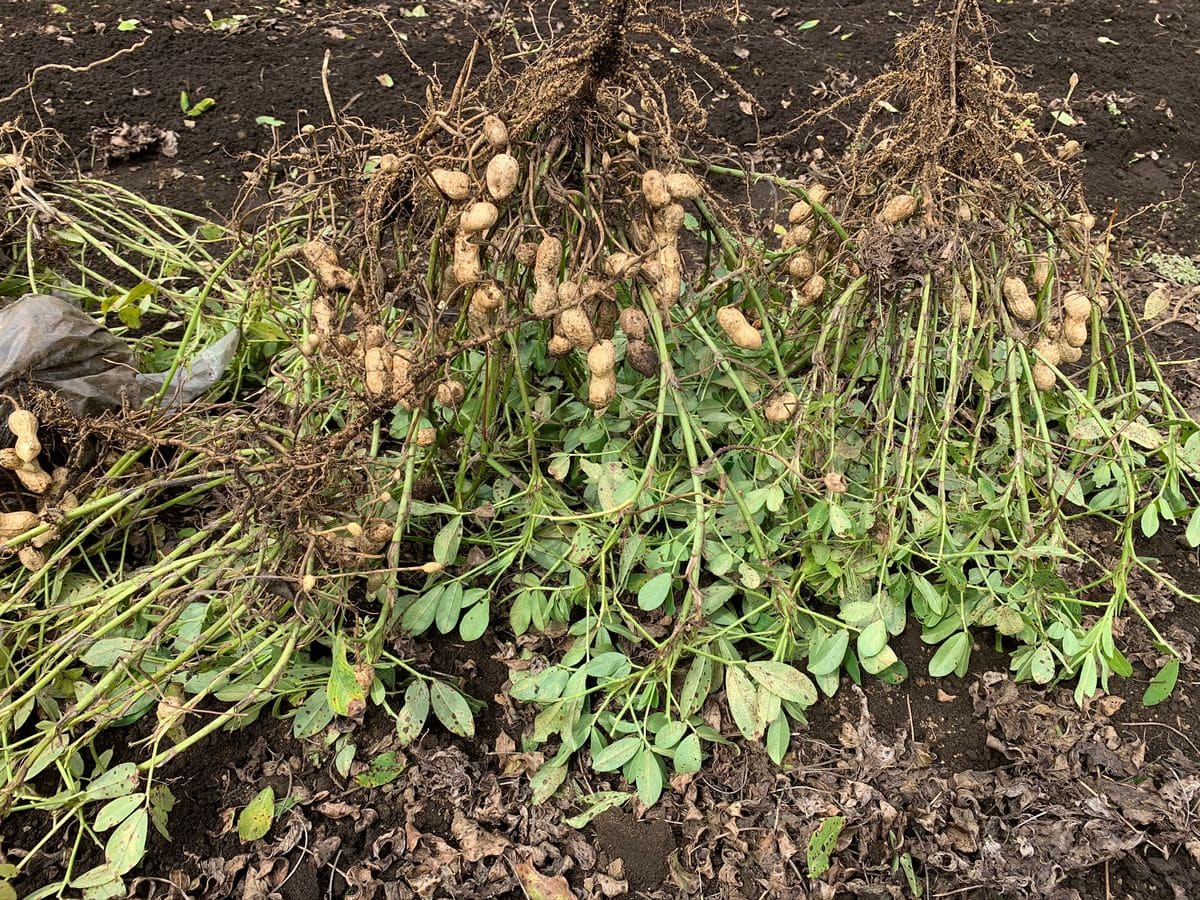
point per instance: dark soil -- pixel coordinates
(993, 788)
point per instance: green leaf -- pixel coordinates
(162, 801)
(255, 820)
(784, 681)
(451, 709)
(345, 695)
(412, 715)
(269, 121)
(421, 612)
(1192, 535)
(200, 108)
(649, 778)
(872, 639)
(475, 622)
(1149, 520)
(116, 811)
(687, 755)
(880, 662)
(104, 653)
(669, 735)
(127, 844)
(779, 735)
(651, 595)
(384, 769)
(344, 758)
(1041, 664)
(445, 545)
(1162, 684)
(826, 657)
(128, 25)
(597, 803)
(950, 654)
(840, 522)
(98, 877)
(313, 716)
(743, 702)
(449, 608)
(822, 844)
(116, 782)
(696, 685)
(616, 754)
(935, 599)
(546, 781)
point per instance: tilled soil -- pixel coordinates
(988, 787)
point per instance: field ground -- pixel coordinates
(989, 782)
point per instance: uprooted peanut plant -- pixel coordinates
(525, 363)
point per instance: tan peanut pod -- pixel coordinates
(667, 289)
(549, 252)
(559, 346)
(323, 261)
(17, 523)
(642, 357)
(377, 368)
(601, 358)
(426, 437)
(634, 323)
(573, 324)
(1075, 332)
(898, 209)
(487, 297)
(48, 536)
(963, 308)
(668, 222)
(34, 478)
(402, 386)
(450, 393)
(31, 559)
(654, 189)
(24, 425)
(545, 299)
(526, 253)
(737, 329)
(621, 265)
(1076, 305)
(813, 290)
(322, 316)
(818, 194)
(455, 185)
(479, 217)
(602, 390)
(1016, 297)
(781, 407)
(379, 532)
(1070, 150)
(502, 174)
(389, 163)
(800, 212)
(467, 266)
(1069, 354)
(1041, 272)
(373, 336)
(1049, 351)
(495, 132)
(1043, 376)
(479, 321)
(796, 236)
(569, 294)
(310, 344)
(1081, 224)
(682, 186)
(801, 267)
(652, 270)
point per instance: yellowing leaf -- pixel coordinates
(255, 820)
(542, 887)
(1156, 304)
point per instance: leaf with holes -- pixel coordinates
(822, 844)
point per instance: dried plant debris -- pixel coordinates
(123, 141)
